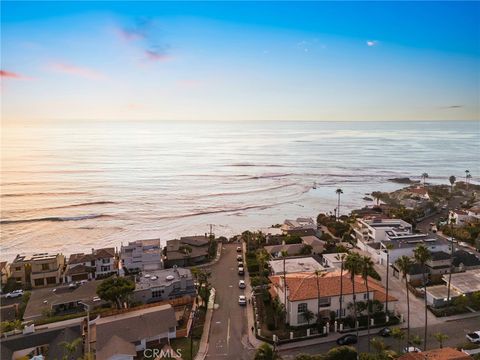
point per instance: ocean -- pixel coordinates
(71, 186)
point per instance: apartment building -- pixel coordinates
(142, 255)
(38, 270)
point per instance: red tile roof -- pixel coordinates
(419, 191)
(303, 286)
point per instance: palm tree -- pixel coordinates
(266, 352)
(262, 257)
(440, 337)
(318, 273)
(422, 255)
(467, 172)
(452, 180)
(468, 177)
(378, 344)
(284, 256)
(338, 192)
(404, 263)
(353, 266)
(452, 246)
(424, 177)
(341, 257)
(366, 265)
(70, 348)
(388, 247)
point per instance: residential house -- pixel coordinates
(474, 212)
(300, 227)
(374, 230)
(39, 269)
(5, 273)
(458, 217)
(64, 300)
(302, 294)
(121, 336)
(295, 265)
(465, 260)
(164, 285)
(275, 251)
(333, 260)
(46, 343)
(419, 192)
(318, 246)
(445, 353)
(98, 264)
(189, 250)
(464, 283)
(437, 295)
(141, 255)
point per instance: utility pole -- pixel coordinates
(211, 230)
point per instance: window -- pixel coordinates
(51, 280)
(303, 307)
(105, 261)
(324, 302)
(105, 268)
(39, 282)
(18, 268)
(45, 266)
(365, 296)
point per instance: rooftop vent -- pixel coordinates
(147, 275)
(170, 277)
(154, 278)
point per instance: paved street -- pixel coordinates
(456, 331)
(228, 331)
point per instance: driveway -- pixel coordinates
(229, 322)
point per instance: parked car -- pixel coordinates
(73, 285)
(241, 284)
(241, 271)
(14, 294)
(385, 332)
(242, 300)
(239, 249)
(240, 264)
(347, 339)
(474, 337)
(411, 349)
(239, 258)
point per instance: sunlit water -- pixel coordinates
(73, 186)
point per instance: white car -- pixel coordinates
(242, 300)
(239, 249)
(411, 349)
(241, 284)
(241, 271)
(14, 294)
(474, 337)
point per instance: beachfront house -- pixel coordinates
(38, 270)
(98, 264)
(141, 255)
(302, 294)
(374, 230)
(186, 251)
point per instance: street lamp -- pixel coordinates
(88, 324)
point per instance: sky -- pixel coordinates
(328, 61)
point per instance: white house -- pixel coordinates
(333, 260)
(120, 337)
(302, 294)
(143, 255)
(299, 225)
(419, 191)
(375, 230)
(458, 217)
(98, 264)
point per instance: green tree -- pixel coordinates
(341, 353)
(338, 192)
(404, 264)
(460, 302)
(366, 266)
(266, 352)
(69, 348)
(415, 340)
(399, 335)
(422, 255)
(388, 247)
(306, 250)
(308, 357)
(452, 180)
(353, 263)
(308, 316)
(467, 173)
(424, 177)
(440, 337)
(262, 257)
(115, 290)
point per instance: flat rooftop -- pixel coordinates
(466, 282)
(441, 292)
(391, 223)
(36, 257)
(414, 240)
(159, 278)
(295, 265)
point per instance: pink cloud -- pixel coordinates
(71, 69)
(129, 35)
(188, 83)
(12, 75)
(153, 55)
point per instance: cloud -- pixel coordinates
(453, 107)
(156, 55)
(372, 43)
(12, 75)
(189, 83)
(81, 71)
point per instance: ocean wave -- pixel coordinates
(45, 193)
(92, 203)
(270, 176)
(55, 219)
(254, 165)
(233, 193)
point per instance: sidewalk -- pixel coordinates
(203, 348)
(253, 342)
